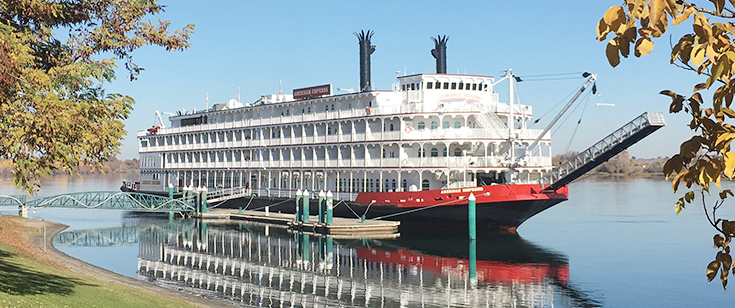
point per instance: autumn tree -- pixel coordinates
(55, 58)
(709, 52)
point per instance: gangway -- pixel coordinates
(222, 195)
(603, 150)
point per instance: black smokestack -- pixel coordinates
(365, 51)
(440, 53)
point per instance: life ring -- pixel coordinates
(408, 129)
(368, 111)
(405, 162)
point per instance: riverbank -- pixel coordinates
(34, 277)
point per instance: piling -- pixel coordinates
(330, 201)
(297, 215)
(204, 199)
(472, 224)
(322, 206)
(305, 208)
(170, 191)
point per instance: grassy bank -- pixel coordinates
(28, 279)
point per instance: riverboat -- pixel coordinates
(413, 153)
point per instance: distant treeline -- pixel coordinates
(623, 165)
(112, 166)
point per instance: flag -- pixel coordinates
(207, 100)
(238, 95)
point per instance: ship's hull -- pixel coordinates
(502, 207)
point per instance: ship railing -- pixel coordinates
(460, 184)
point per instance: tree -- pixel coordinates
(55, 56)
(708, 51)
(621, 164)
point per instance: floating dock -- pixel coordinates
(340, 228)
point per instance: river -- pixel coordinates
(613, 244)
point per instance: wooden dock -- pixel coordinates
(340, 228)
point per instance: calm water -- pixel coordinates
(613, 244)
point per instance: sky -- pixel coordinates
(254, 46)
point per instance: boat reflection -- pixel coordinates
(252, 265)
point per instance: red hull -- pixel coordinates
(498, 206)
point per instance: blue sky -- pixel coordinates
(255, 45)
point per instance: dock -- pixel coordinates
(340, 228)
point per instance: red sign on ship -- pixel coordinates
(312, 91)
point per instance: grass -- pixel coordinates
(26, 282)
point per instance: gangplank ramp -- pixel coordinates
(603, 150)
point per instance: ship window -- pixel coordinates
(425, 185)
(421, 125)
(457, 152)
(308, 110)
(480, 87)
(422, 152)
(457, 124)
(413, 86)
(437, 85)
(404, 185)
(391, 127)
(444, 152)
(445, 124)
(474, 86)
(434, 125)
(287, 111)
(385, 188)
(429, 85)
(434, 152)
(446, 85)
(454, 85)
(393, 184)
(326, 108)
(332, 107)
(329, 130)
(461, 86)
(404, 87)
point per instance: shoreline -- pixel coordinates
(33, 239)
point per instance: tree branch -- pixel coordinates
(708, 11)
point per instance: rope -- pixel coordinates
(414, 210)
(348, 206)
(262, 207)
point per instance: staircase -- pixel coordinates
(603, 150)
(490, 121)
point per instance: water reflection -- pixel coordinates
(254, 265)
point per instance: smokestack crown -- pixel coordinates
(440, 53)
(365, 51)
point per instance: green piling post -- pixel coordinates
(322, 206)
(472, 222)
(330, 255)
(306, 255)
(330, 202)
(204, 199)
(170, 191)
(305, 208)
(297, 214)
(170, 216)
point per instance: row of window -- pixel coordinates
(446, 86)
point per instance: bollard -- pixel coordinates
(322, 207)
(204, 199)
(170, 191)
(305, 208)
(297, 214)
(472, 224)
(330, 201)
(239, 210)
